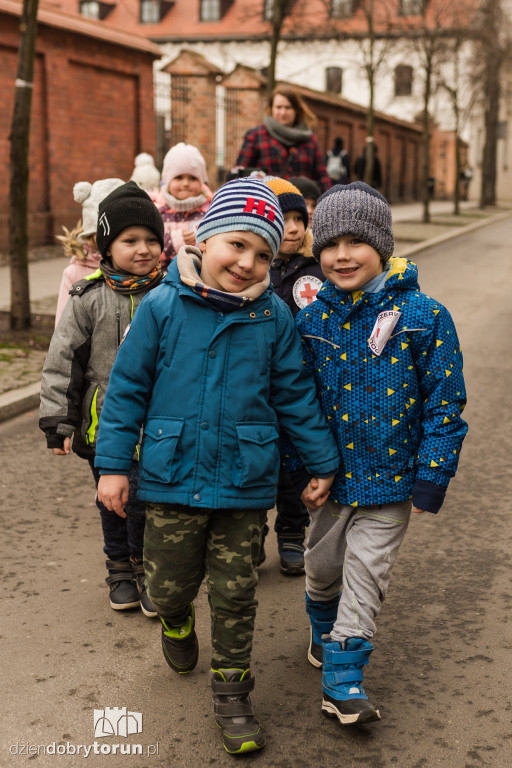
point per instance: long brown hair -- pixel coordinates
(302, 113)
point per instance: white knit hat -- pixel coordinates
(91, 195)
(145, 173)
(183, 158)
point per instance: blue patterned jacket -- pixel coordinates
(396, 416)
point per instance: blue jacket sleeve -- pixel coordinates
(311, 441)
(438, 361)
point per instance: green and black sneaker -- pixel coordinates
(234, 714)
(179, 644)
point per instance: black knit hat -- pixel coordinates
(290, 198)
(127, 206)
(353, 209)
(307, 187)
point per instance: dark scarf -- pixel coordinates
(286, 135)
(125, 282)
(189, 260)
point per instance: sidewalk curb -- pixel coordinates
(18, 401)
(458, 231)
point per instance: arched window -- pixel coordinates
(334, 80)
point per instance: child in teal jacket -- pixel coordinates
(211, 365)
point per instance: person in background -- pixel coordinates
(79, 244)
(337, 163)
(310, 191)
(284, 145)
(147, 176)
(296, 278)
(360, 168)
(186, 198)
(83, 348)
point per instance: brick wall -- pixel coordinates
(92, 112)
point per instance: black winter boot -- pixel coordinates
(179, 644)
(234, 714)
(123, 589)
(147, 607)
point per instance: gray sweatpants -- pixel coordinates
(353, 550)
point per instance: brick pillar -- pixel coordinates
(244, 107)
(193, 106)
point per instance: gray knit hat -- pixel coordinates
(244, 204)
(353, 209)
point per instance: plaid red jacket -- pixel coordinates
(261, 150)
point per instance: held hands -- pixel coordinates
(418, 511)
(316, 493)
(66, 448)
(113, 493)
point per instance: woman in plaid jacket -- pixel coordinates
(284, 144)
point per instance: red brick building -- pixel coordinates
(92, 111)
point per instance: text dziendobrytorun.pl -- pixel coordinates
(83, 749)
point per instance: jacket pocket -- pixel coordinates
(257, 462)
(160, 459)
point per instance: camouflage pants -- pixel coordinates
(182, 546)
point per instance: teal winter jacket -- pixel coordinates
(395, 409)
(209, 389)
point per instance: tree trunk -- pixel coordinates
(279, 13)
(490, 151)
(18, 191)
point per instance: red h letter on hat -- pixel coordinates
(258, 206)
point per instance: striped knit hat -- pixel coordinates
(353, 209)
(290, 198)
(245, 205)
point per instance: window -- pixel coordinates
(342, 9)
(153, 11)
(213, 10)
(412, 7)
(91, 9)
(209, 10)
(403, 80)
(334, 80)
(150, 11)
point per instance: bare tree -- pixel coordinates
(375, 45)
(493, 48)
(463, 88)
(18, 190)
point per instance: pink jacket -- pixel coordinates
(76, 270)
(175, 223)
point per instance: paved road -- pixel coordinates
(441, 672)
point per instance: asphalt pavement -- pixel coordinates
(440, 673)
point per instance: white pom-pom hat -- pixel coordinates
(90, 196)
(145, 173)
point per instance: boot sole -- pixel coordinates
(229, 743)
(367, 716)
(149, 614)
(124, 606)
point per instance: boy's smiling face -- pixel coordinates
(136, 250)
(233, 261)
(349, 262)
